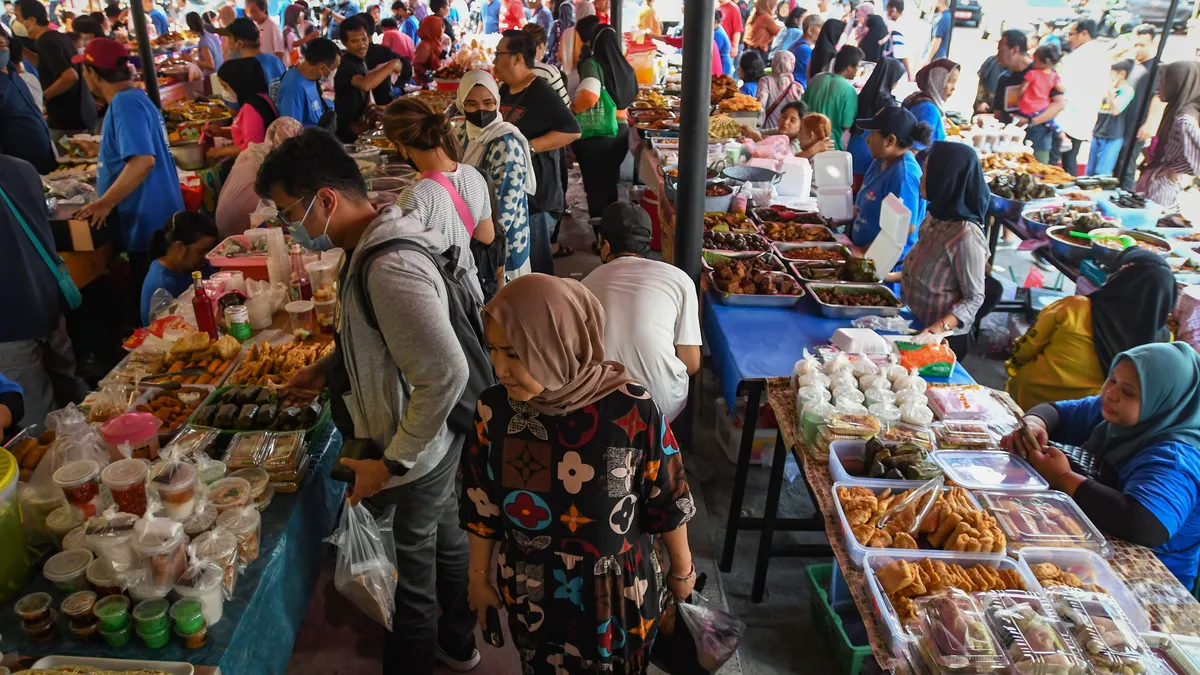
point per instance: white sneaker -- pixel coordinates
(459, 665)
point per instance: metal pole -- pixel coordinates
(950, 33)
(1126, 155)
(693, 134)
(614, 15)
(149, 79)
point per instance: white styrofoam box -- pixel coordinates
(797, 177)
(860, 341)
(833, 168)
(894, 218)
(836, 203)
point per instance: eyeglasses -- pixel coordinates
(498, 54)
(287, 222)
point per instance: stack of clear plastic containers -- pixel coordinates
(952, 635)
(1042, 519)
(1081, 568)
(1103, 633)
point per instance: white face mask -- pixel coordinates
(19, 29)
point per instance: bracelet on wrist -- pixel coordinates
(691, 573)
(483, 572)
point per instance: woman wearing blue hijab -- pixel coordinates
(1145, 427)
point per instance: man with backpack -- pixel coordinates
(405, 309)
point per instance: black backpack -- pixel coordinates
(465, 318)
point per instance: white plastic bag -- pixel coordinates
(716, 633)
(366, 562)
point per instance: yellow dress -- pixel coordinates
(1056, 359)
(648, 21)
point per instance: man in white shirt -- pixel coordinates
(270, 38)
(1083, 72)
(906, 43)
(652, 323)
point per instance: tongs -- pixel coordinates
(931, 487)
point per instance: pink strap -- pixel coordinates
(464, 213)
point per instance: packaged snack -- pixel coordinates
(1043, 519)
(876, 395)
(885, 413)
(192, 441)
(874, 381)
(67, 570)
(111, 537)
(894, 371)
(930, 360)
(953, 636)
(126, 480)
(1032, 638)
(916, 413)
(175, 481)
(814, 394)
(840, 363)
(230, 493)
(160, 542)
(221, 547)
(201, 520)
(907, 433)
(256, 477)
(848, 393)
(202, 580)
(80, 483)
(291, 476)
(285, 451)
(862, 367)
(902, 461)
(815, 378)
(850, 407)
(911, 381)
(852, 425)
(1102, 632)
(245, 524)
(246, 450)
(964, 435)
(959, 401)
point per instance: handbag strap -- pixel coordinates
(783, 94)
(29, 233)
(464, 213)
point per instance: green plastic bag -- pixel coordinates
(601, 119)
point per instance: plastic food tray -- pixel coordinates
(709, 256)
(1175, 648)
(1035, 508)
(801, 217)
(830, 237)
(889, 621)
(1031, 641)
(1113, 643)
(850, 312)
(857, 550)
(838, 472)
(114, 665)
(989, 470)
(164, 434)
(754, 300)
(326, 414)
(782, 247)
(1091, 569)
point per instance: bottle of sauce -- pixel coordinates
(299, 285)
(204, 307)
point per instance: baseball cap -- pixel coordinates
(102, 53)
(626, 222)
(891, 120)
(240, 29)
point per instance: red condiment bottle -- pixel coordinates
(204, 307)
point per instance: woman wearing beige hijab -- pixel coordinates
(572, 470)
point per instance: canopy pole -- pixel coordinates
(1126, 156)
(693, 134)
(614, 15)
(149, 78)
(950, 33)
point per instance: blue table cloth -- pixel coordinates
(259, 626)
(752, 343)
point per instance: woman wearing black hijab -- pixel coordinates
(244, 83)
(871, 44)
(944, 280)
(1133, 305)
(826, 48)
(876, 95)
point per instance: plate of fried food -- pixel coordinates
(266, 364)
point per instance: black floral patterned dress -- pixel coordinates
(573, 499)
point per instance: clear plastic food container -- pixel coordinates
(953, 636)
(80, 483)
(176, 485)
(246, 450)
(126, 479)
(989, 470)
(1103, 633)
(878, 487)
(1170, 649)
(203, 582)
(285, 452)
(230, 494)
(68, 570)
(303, 323)
(964, 435)
(256, 477)
(1033, 639)
(161, 545)
(907, 433)
(1043, 519)
(326, 315)
(1076, 566)
(60, 522)
(76, 538)
(245, 524)
(221, 547)
(111, 537)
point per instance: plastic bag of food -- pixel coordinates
(161, 545)
(931, 359)
(366, 562)
(74, 440)
(840, 363)
(715, 633)
(959, 401)
(220, 546)
(770, 147)
(886, 324)
(916, 413)
(912, 380)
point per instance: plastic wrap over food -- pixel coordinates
(953, 636)
(1033, 639)
(1102, 632)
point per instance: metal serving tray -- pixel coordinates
(848, 312)
(748, 300)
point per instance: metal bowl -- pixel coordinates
(1106, 257)
(1067, 251)
(1034, 228)
(751, 174)
(188, 155)
(1009, 210)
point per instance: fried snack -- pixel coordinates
(723, 87)
(1050, 575)
(265, 365)
(724, 127)
(903, 580)
(953, 522)
(740, 103)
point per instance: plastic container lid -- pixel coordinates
(186, 609)
(201, 520)
(78, 603)
(130, 427)
(319, 267)
(152, 537)
(216, 545)
(1036, 640)
(32, 605)
(1101, 631)
(101, 574)
(229, 492)
(111, 606)
(67, 564)
(113, 530)
(62, 519)
(124, 472)
(985, 470)
(1042, 519)
(150, 610)
(76, 539)
(239, 521)
(262, 501)
(174, 477)
(1090, 570)
(953, 636)
(77, 473)
(257, 478)
(299, 306)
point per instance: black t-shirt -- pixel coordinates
(74, 109)
(536, 111)
(1139, 79)
(348, 100)
(1008, 94)
(377, 55)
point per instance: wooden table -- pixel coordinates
(1171, 607)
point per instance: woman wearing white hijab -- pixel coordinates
(569, 46)
(498, 149)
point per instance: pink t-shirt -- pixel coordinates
(1037, 95)
(399, 43)
(270, 39)
(248, 126)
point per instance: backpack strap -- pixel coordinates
(464, 213)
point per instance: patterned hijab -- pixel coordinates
(479, 140)
(556, 326)
(931, 82)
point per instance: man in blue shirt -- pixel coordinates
(300, 90)
(491, 17)
(939, 48)
(244, 34)
(802, 50)
(136, 172)
(162, 25)
(405, 20)
(542, 15)
(342, 11)
(23, 130)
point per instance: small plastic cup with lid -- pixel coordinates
(103, 578)
(176, 484)
(68, 570)
(322, 274)
(302, 319)
(201, 520)
(244, 524)
(33, 608)
(84, 632)
(78, 606)
(157, 638)
(258, 479)
(76, 538)
(230, 494)
(137, 430)
(80, 483)
(202, 582)
(151, 615)
(188, 615)
(117, 637)
(886, 413)
(221, 547)
(264, 500)
(44, 630)
(126, 479)
(112, 612)
(194, 640)
(111, 537)
(874, 396)
(160, 542)
(60, 522)
(814, 417)
(326, 315)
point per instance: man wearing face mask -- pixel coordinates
(245, 36)
(69, 104)
(23, 130)
(299, 95)
(322, 197)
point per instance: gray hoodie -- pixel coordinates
(407, 376)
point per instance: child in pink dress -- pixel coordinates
(1040, 81)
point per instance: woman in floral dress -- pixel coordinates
(501, 152)
(573, 470)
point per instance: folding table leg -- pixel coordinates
(753, 400)
(769, 517)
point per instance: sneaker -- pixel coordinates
(457, 662)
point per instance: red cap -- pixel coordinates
(102, 53)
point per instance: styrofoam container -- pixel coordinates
(1091, 569)
(836, 203)
(885, 250)
(797, 177)
(860, 341)
(833, 168)
(889, 621)
(857, 550)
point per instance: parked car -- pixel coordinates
(968, 12)
(1155, 12)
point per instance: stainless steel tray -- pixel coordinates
(748, 300)
(115, 665)
(832, 236)
(848, 312)
(782, 247)
(707, 256)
